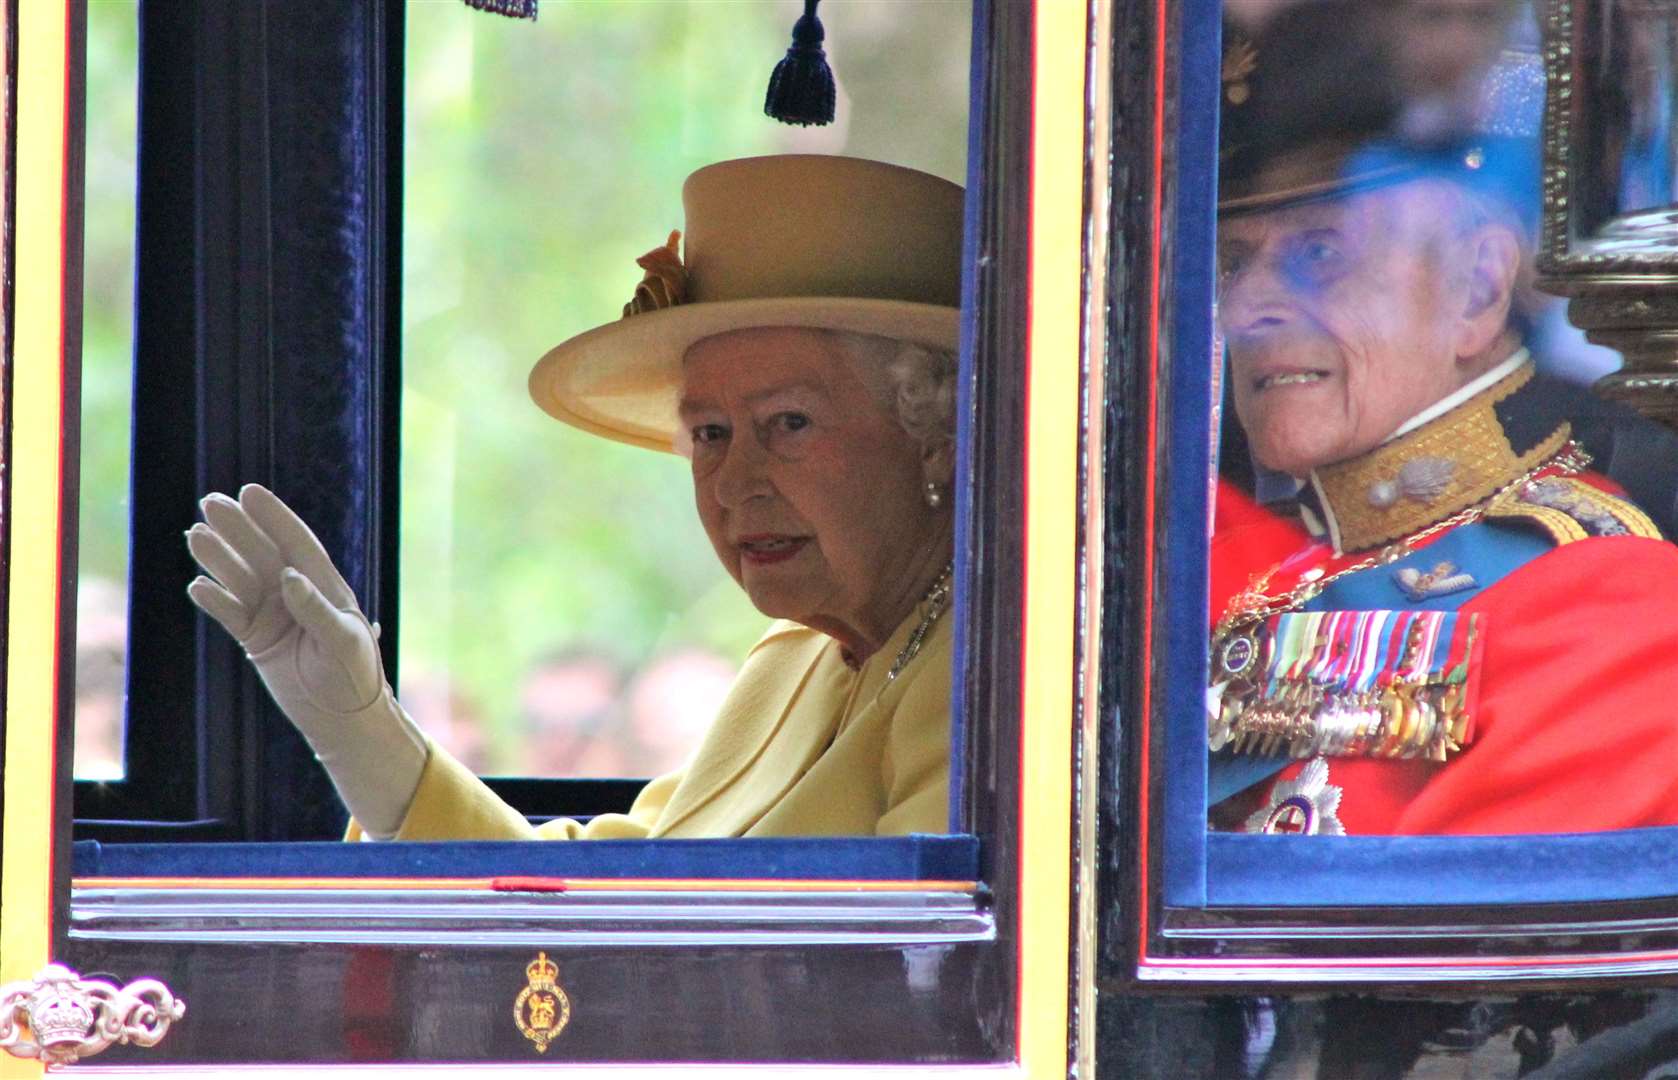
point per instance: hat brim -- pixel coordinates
(1322, 191)
(620, 380)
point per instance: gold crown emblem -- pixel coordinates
(57, 1015)
(542, 972)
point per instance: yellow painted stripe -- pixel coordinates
(33, 472)
(1051, 529)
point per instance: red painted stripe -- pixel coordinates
(1583, 960)
(529, 884)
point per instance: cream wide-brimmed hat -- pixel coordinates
(797, 240)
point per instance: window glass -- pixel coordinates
(1624, 165)
(107, 381)
(1466, 601)
(562, 611)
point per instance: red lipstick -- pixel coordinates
(766, 549)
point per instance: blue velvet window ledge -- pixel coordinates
(906, 858)
(1323, 871)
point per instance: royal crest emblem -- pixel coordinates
(542, 1008)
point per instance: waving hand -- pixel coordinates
(268, 581)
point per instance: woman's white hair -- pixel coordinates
(916, 382)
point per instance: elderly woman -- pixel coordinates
(801, 356)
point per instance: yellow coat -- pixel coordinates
(802, 746)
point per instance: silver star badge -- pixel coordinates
(1307, 805)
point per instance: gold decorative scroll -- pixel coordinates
(60, 1017)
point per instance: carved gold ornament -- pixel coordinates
(542, 1010)
(666, 281)
(70, 1018)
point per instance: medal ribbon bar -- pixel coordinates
(1392, 684)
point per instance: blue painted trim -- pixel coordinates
(1288, 871)
(1190, 230)
(906, 858)
(977, 111)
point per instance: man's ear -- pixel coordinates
(938, 462)
(1494, 264)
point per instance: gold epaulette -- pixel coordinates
(1570, 509)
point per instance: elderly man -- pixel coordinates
(1466, 630)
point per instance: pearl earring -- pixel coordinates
(934, 494)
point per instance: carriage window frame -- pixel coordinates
(111, 923)
(172, 802)
(1233, 909)
(215, 399)
(202, 734)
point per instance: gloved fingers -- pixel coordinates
(220, 605)
(341, 633)
(298, 545)
(223, 564)
(242, 535)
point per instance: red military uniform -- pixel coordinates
(1573, 691)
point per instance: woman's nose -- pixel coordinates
(742, 475)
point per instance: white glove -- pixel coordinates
(273, 587)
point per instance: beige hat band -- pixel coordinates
(804, 225)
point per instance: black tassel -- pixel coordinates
(517, 9)
(801, 89)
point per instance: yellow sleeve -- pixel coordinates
(635, 825)
(451, 803)
(917, 760)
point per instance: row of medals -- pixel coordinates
(1302, 718)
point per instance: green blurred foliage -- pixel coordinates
(542, 159)
(108, 302)
(107, 378)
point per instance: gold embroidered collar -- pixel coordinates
(1424, 476)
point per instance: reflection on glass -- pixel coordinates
(107, 378)
(1435, 560)
(1626, 155)
(562, 611)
